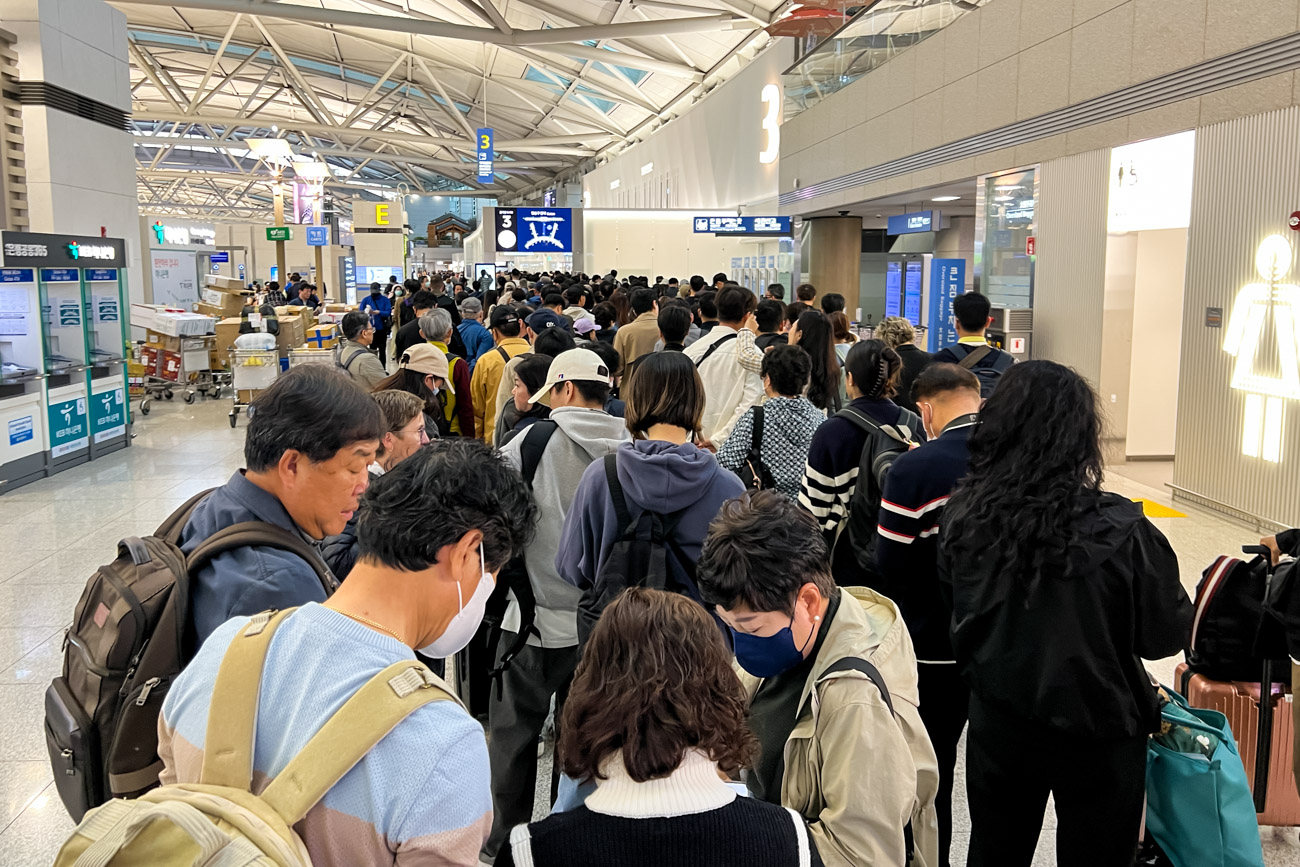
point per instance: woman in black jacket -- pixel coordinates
(899, 335)
(1059, 590)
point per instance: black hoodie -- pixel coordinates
(1067, 652)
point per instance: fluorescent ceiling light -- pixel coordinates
(945, 198)
(647, 168)
(1003, 198)
(613, 185)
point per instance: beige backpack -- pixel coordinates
(218, 822)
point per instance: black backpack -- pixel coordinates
(883, 446)
(1229, 640)
(127, 644)
(754, 472)
(513, 577)
(645, 553)
(988, 374)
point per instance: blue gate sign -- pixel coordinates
(20, 430)
(483, 142)
(101, 275)
(17, 275)
(947, 281)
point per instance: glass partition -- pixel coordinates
(876, 33)
(65, 328)
(1006, 204)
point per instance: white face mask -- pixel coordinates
(461, 629)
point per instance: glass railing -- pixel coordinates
(875, 34)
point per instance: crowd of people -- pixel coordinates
(757, 571)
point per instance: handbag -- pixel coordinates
(753, 472)
(1199, 804)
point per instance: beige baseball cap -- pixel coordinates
(426, 359)
(573, 365)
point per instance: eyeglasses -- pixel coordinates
(422, 431)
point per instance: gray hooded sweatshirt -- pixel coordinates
(584, 436)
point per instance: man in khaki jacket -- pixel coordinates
(831, 679)
(639, 336)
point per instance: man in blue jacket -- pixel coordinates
(911, 506)
(381, 319)
(308, 449)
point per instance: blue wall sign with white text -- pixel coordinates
(60, 275)
(742, 225)
(318, 236)
(20, 430)
(224, 255)
(17, 275)
(483, 141)
(917, 221)
(534, 230)
(101, 275)
(947, 281)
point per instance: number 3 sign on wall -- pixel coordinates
(771, 124)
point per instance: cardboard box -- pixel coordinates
(217, 281)
(221, 303)
(170, 321)
(334, 307)
(212, 310)
(161, 341)
(227, 331)
(306, 313)
(325, 336)
(169, 365)
(149, 359)
(293, 334)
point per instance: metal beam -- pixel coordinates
(394, 24)
(622, 58)
(212, 67)
(171, 142)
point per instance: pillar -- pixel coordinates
(833, 246)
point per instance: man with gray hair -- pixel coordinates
(436, 328)
(476, 338)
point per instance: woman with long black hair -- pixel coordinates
(1059, 590)
(812, 333)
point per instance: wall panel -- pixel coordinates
(1247, 181)
(1070, 280)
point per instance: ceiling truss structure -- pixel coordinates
(390, 97)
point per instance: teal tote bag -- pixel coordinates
(1199, 805)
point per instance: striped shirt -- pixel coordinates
(916, 491)
(831, 475)
(420, 797)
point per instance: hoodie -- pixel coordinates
(856, 773)
(1064, 649)
(656, 476)
(584, 436)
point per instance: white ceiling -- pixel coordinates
(390, 92)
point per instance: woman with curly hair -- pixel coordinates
(899, 335)
(1059, 590)
(656, 717)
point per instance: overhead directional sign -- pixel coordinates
(917, 221)
(483, 140)
(743, 225)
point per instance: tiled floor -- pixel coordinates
(55, 532)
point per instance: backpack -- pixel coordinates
(642, 555)
(347, 365)
(127, 644)
(513, 578)
(218, 821)
(754, 472)
(1227, 620)
(988, 375)
(268, 318)
(883, 445)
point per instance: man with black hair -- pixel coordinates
(696, 284)
(554, 301)
(708, 311)
(832, 302)
(505, 326)
(274, 295)
(409, 334)
(911, 508)
(729, 387)
(772, 326)
(805, 294)
(775, 292)
(354, 354)
(674, 324)
(640, 335)
(306, 296)
(308, 448)
(972, 350)
(608, 354)
(447, 303)
(720, 280)
(830, 679)
(555, 453)
(433, 533)
(380, 308)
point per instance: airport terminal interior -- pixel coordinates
(935, 364)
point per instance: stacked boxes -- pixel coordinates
(323, 336)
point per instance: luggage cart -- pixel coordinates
(298, 357)
(252, 370)
(193, 374)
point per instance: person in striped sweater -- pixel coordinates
(907, 552)
(871, 372)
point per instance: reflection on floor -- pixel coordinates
(55, 532)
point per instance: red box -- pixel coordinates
(150, 357)
(169, 365)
